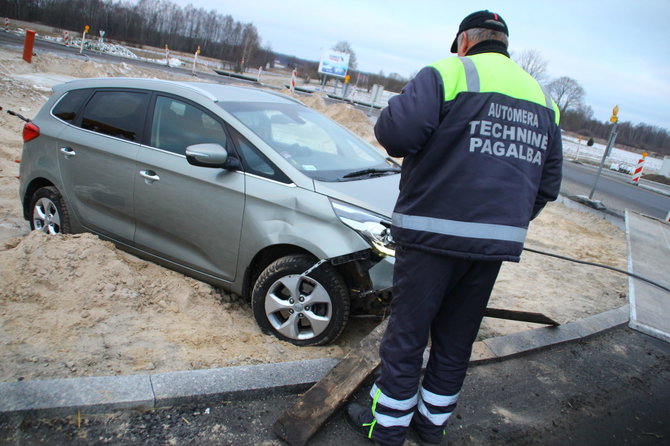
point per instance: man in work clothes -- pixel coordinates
(482, 156)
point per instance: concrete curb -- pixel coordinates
(66, 397)
(654, 189)
(526, 341)
(608, 215)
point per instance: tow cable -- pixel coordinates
(315, 266)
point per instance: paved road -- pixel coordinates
(614, 190)
(610, 389)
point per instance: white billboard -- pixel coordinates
(333, 63)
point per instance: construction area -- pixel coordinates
(101, 347)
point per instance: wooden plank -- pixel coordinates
(303, 419)
(524, 316)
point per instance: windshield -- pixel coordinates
(314, 144)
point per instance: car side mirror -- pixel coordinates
(210, 155)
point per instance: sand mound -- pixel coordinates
(74, 304)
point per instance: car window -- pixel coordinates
(300, 131)
(177, 125)
(312, 143)
(116, 113)
(257, 163)
(70, 104)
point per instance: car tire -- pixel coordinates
(318, 318)
(48, 212)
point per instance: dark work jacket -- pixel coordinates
(482, 155)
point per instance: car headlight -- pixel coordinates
(373, 228)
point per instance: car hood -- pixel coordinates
(377, 194)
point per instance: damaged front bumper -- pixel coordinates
(381, 274)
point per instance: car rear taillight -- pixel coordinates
(30, 132)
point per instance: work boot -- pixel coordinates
(417, 436)
(359, 418)
(421, 441)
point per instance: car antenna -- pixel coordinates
(13, 113)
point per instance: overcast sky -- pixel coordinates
(617, 50)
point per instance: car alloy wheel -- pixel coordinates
(48, 214)
(46, 217)
(298, 307)
(301, 309)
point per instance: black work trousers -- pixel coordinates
(444, 298)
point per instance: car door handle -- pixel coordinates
(149, 176)
(68, 152)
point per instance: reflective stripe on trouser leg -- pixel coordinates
(391, 417)
(436, 408)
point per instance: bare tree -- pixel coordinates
(344, 47)
(250, 44)
(578, 118)
(533, 63)
(567, 93)
(267, 57)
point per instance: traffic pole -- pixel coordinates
(579, 146)
(195, 60)
(6, 24)
(66, 38)
(294, 74)
(83, 39)
(167, 55)
(637, 174)
(614, 119)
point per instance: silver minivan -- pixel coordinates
(246, 189)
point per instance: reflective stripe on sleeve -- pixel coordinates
(460, 228)
(392, 403)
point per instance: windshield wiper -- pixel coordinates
(371, 172)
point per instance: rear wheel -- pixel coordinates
(303, 310)
(48, 212)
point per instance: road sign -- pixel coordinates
(615, 112)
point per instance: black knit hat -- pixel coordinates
(480, 19)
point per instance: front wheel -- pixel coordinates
(303, 310)
(48, 212)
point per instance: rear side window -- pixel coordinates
(116, 113)
(70, 104)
